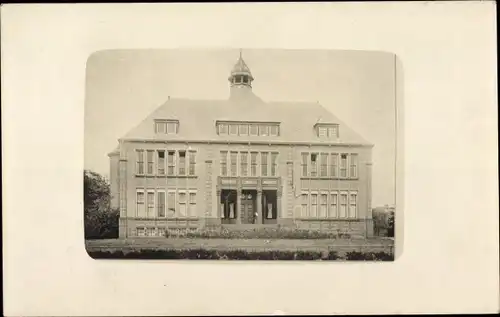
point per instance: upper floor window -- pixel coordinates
(329, 165)
(327, 130)
(166, 126)
(248, 128)
(244, 164)
(163, 162)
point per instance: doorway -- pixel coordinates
(248, 206)
(269, 207)
(228, 206)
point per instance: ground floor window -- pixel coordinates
(166, 203)
(324, 204)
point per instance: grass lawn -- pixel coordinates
(249, 245)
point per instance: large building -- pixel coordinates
(241, 162)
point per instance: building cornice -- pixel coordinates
(255, 142)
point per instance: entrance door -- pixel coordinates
(247, 208)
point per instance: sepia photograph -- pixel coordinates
(241, 154)
(175, 159)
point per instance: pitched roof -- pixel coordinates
(197, 121)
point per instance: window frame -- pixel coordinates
(140, 163)
(191, 162)
(150, 208)
(264, 163)
(180, 166)
(353, 165)
(190, 204)
(224, 163)
(164, 201)
(304, 162)
(172, 193)
(244, 164)
(182, 203)
(162, 123)
(254, 164)
(350, 205)
(333, 205)
(138, 203)
(159, 168)
(173, 163)
(175, 125)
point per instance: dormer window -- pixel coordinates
(327, 130)
(248, 128)
(166, 126)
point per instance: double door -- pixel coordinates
(248, 211)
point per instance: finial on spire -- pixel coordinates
(241, 53)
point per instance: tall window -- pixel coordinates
(192, 163)
(171, 204)
(332, 213)
(172, 127)
(171, 163)
(150, 156)
(141, 210)
(244, 163)
(160, 204)
(234, 163)
(323, 209)
(324, 165)
(223, 163)
(314, 164)
(274, 164)
(182, 163)
(192, 205)
(353, 171)
(254, 163)
(140, 161)
(182, 204)
(151, 204)
(333, 165)
(304, 164)
(343, 165)
(314, 205)
(343, 205)
(263, 163)
(352, 204)
(304, 205)
(161, 162)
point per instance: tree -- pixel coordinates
(100, 220)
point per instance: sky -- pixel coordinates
(124, 86)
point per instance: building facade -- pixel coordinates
(241, 163)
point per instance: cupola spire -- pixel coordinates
(241, 76)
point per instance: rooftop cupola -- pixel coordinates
(241, 78)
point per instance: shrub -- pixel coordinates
(203, 254)
(369, 256)
(262, 233)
